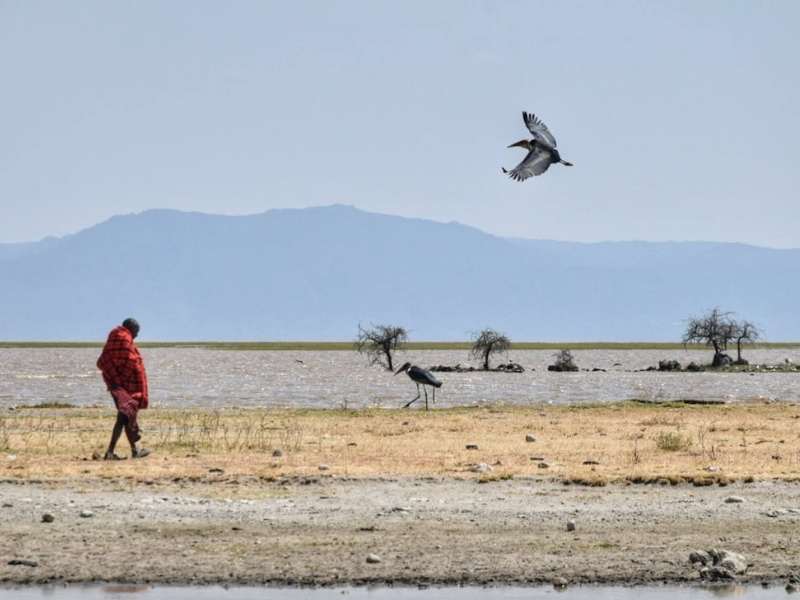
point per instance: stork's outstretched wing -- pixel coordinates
(538, 129)
(535, 163)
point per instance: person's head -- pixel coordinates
(131, 325)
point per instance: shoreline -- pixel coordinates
(479, 496)
(431, 533)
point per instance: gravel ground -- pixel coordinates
(321, 531)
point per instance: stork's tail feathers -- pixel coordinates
(504, 170)
(566, 164)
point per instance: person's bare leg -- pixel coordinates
(115, 433)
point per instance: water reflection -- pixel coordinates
(146, 592)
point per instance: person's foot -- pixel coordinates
(112, 456)
(140, 452)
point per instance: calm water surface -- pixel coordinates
(217, 378)
(132, 592)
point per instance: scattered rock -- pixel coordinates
(510, 367)
(373, 559)
(733, 562)
(277, 453)
(23, 562)
(472, 446)
(559, 583)
(529, 437)
(711, 468)
(591, 461)
(570, 525)
(694, 367)
(543, 465)
(86, 514)
(324, 468)
(535, 458)
(718, 565)
(7, 505)
(480, 468)
(734, 500)
(700, 556)
(96, 455)
(791, 588)
(669, 365)
(216, 470)
(352, 444)
(48, 518)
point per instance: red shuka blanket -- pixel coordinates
(122, 366)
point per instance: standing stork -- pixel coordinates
(541, 150)
(420, 377)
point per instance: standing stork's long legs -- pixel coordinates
(425, 389)
(434, 394)
(410, 402)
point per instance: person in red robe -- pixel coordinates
(125, 377)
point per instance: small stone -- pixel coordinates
(472, 446)
(7, 505)
(324, 468)
(535, 458)
(791, 588)
(559, 583)
(529, 437)
(591, 461)
(733, 562)
(699, 556)
(86, 514)
(216, 470)
(570, 525)
(543, 465)
(480, 468)
(352, 444)
(734, 500)
(712, 468)
(373, 559)
(277, 453)
(48, 518)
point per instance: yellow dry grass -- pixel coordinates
(592, 445)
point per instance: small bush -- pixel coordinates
(672, 441)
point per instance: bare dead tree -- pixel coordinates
(745, 332)
(715, 329)
(379, 342)
(488, 342)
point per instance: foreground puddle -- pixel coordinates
(146, 592)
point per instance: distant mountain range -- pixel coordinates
(316, 273)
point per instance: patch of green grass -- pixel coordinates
(673, 441)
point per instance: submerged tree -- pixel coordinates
(379, 342)
(564, 361)
(488, 342)
(715, 329)
(745, 332)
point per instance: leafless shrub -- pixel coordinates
(380, 342)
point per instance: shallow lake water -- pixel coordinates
(144, 592)
(190, 377)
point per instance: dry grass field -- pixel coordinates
(592, 445)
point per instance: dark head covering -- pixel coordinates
(131, 325)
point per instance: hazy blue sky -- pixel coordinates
(683, 118)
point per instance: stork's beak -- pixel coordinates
(565, 163)
(522, 144)
(401, 369)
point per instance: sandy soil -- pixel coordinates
(320, 530)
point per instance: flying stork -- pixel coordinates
(541, 150)
(420, 377)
